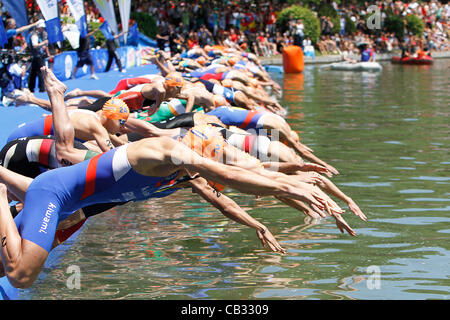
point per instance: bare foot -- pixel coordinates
(22, 99)
(72, 94)
(52, 84)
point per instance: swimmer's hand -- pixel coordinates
(332, 169)
(343, 225)
(356, 210)
(315, 167)
(266, 238)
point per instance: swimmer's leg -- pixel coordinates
(89, 93)
(30, 98)
(62, 125)
(21, 259)
(17, 184)
(79, 102)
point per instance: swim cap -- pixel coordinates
(232, 61)
(228, 83)
(207, 142)
(295, 136)
(254, 82)
(174, 81)
(116, 109)
(201, 60)
(219, 101)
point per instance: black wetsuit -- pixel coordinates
(31, 156)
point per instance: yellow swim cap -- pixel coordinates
(116, 109)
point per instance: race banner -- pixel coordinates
(77, 9)
(104, 28)
(49, 9)
(3, 39)
(106, 9)
(17, 11)
(124, 10)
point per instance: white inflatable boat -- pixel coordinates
(359, 66)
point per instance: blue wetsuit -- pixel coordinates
(43, 126)
(242, 118)
(218, 89)
(106, 178)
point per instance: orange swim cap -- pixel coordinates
(207, 142)
(116, 109)
(174, 81)
(201, 60)
(228, 83)
(232, 61)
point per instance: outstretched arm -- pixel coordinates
(233, 211)
(236, 177)
(147, 129)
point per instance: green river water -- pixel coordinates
(388, 135)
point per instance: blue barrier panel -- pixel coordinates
(66, 61)
(64, 64)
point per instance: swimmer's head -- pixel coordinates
(228, 83)
(115, 113)
(219, 101)
(254, 82)
(295, 136)
(116, 109)
(208, 48)
(232, 61)
(201, 60)
(174, 83)
(207, 142)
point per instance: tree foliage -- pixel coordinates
(310, 21)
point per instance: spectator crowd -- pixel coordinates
(184, 24)
(249, 25)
